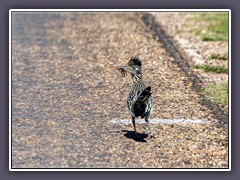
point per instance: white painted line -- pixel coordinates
(161, 121)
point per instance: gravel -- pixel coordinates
(178, 25)
(65, 92)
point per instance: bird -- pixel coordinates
(139, 99)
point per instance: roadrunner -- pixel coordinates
(139, 99)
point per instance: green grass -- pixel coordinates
(217, 93)
(216, 69)
(218, 56)
(215, 27)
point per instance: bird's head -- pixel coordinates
(133, 67)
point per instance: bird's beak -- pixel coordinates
(121, 67)
(122, 70)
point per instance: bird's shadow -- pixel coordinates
(138, 137)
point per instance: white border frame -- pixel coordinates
(117, 10)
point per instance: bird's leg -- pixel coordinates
(133, 121)
(147, 121)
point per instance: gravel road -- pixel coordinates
(65, 92)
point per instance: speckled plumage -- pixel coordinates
(139, 99)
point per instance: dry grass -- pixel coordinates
(217, 93)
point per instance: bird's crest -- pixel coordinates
(134, 61)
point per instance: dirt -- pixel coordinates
(178, 25)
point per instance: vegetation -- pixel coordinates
(219, 56)
(217, 93)
(215, 27)
(212, 26)
(216, 69)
